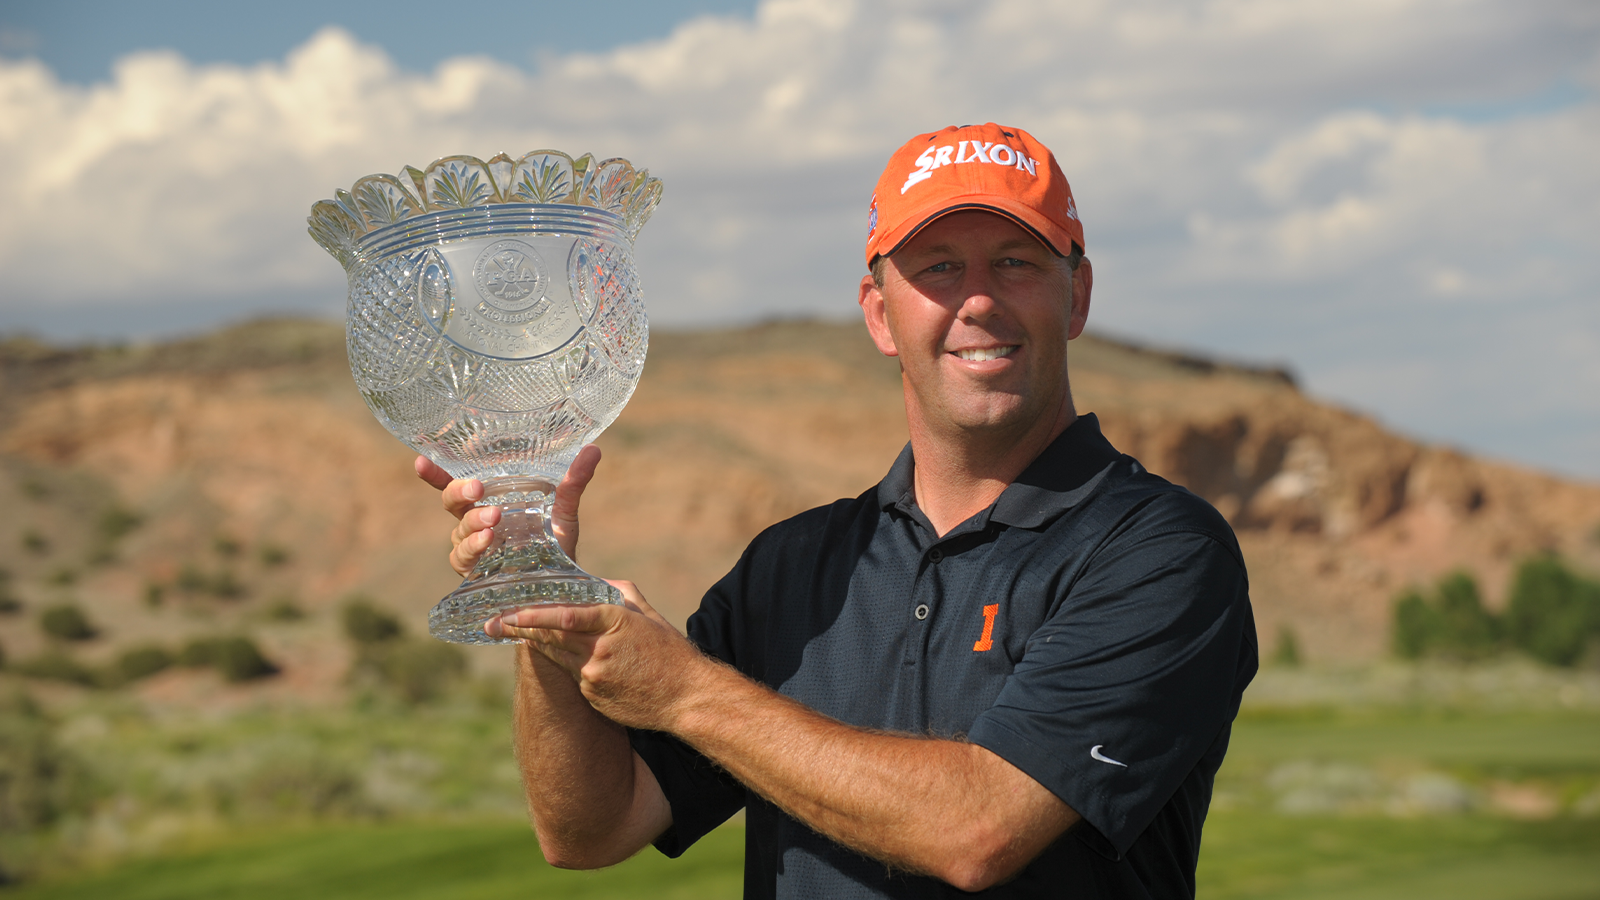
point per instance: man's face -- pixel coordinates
(979, 313)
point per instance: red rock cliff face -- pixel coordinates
(258, 435)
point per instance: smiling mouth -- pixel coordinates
(984, 354)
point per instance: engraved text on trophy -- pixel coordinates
(520, 311)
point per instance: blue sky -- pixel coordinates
(81, 39)
(1397, 199)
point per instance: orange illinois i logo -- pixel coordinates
(987, 641)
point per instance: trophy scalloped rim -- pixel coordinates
(612, 185)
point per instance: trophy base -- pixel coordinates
(523, 566)
(459, 617)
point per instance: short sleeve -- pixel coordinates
(1122, 691)
(702, 795)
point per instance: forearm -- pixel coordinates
(937, 807)
(591, 800)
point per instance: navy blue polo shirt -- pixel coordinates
(1092, 628)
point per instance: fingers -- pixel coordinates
(635, 601)
(564, 509)
(584, 618)
(568, 649)
(461, 495)
(547, 644)
(431, 473)
(578, 475)
(474, 521)
(467, 550)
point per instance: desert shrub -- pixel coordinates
(39, 779)
(197, 653)
(283, 609)
(1552, 613)
(366, 624)
(225, 546)
(190, 579)
(1452, 623)
(418, 669)
(34, 542)
(1470, 630)
(222, 584)
(311, 784)
(56, 665)
(1288, 652)
(142, 662)
(235, 658)
(1416, 625)
(9, 603)
(62, 576)
(154, 594)
(272, 555)
(67, 622)
(116, 522)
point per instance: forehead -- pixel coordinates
(971, 230)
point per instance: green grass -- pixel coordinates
(398, 861)
(1506, 743)
(436, 788)
(1253, 856)
(1250, 850)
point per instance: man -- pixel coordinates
(1011, 665)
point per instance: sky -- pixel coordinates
(1396, 198)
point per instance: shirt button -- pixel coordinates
(921, 611)
(935, 555)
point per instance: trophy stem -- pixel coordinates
(523, 566)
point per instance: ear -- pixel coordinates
(1082, 286)
(877, 316)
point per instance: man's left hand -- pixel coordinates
(631, 664)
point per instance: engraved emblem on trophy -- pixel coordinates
(495, 324)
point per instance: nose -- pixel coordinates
(978, 302)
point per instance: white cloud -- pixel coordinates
(1367, 186)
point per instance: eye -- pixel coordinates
(1013, 261)
(939, 267)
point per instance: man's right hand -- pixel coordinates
(475, 530)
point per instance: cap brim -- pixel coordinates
(1052, 235)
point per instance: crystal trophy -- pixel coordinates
(495, 324)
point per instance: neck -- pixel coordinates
(959, 474)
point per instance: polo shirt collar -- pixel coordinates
(1058, 479)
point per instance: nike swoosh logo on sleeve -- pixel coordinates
(1094, 753)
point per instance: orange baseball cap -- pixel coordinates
(992, 167)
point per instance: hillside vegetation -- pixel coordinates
(215, 569)
(235, 481)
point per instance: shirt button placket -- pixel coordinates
(917, 643)
(922, 609)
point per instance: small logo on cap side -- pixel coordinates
(872, 216)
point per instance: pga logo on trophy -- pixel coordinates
(495, 325)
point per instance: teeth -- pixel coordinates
(987, 353)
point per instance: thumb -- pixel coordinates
(569, 493)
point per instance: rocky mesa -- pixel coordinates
(248, 476)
